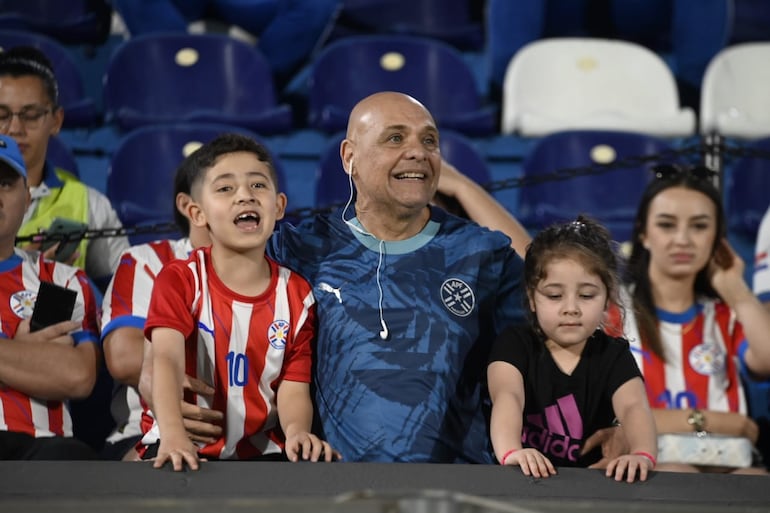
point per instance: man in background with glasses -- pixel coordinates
(30, 114)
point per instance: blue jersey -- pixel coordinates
(417, 393)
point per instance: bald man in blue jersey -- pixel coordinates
(408, 297)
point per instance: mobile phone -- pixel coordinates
(53, 304)
(71, 232)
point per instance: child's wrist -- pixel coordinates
(647, 455)
(507, 455)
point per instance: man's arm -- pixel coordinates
(47, 365)
(123, 354)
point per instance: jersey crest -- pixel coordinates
(23, 302)
(707, 359)
(457, 297)
(277, 333)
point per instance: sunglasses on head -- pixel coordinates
(671, 171)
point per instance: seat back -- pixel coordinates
(167, 78)
(735, 100)
(434, 73)
(68, 21)
(447, 20)
(611, 197)
(79, 109)
(60, 155)
(747, 190)
(594, 84)
(333, 188)
(140, 181)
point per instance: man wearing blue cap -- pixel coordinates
(39, 370)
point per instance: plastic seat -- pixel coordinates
(204, 78)
(734, 97)
(610, 197)
(140, 183)
(591, 84)
(747, 190)
(333, 188)
(60, 155)
(434, 73)
(450, 21)
(68, 21)
(79, 109)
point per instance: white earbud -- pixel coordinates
(384, 332)
(349, 170)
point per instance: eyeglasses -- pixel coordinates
(30, 117)
(671, 171)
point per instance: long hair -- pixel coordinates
(637, 269)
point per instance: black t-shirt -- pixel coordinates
(561, 410)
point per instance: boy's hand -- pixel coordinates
(532, 462)
(628, 464)
(177, 450)
(308, 447)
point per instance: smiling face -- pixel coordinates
(569, 302)
(392, 150)
(239, 202)
(680, 232)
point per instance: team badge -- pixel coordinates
(23, 302)
(707, 359)
(277, 333)
(457, 297)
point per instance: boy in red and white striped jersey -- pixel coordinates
(230, 316)
(39, 371)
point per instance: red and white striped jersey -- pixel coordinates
(244, 346)
(701, 348)
(20, 277)
(125, 305)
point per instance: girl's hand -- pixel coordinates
(726, 267)
(177, 450)
(532, 462)
(308, 447)
(629, 464)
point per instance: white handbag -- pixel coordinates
(706, 449)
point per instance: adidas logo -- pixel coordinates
(554, 431)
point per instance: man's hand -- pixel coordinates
(58, 333)
(202, 424)
(613, 443)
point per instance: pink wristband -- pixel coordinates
(648, 456)
(505, 456)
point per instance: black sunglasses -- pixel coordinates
(672, 171)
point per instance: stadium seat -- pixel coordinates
(68, 21)
(434, 73)
(79, 109)
(591, 84)
(204, 78)
(333, 188)
(59, 154)
(450, 21)
(622, 160)
(734, 97)
(747, 189)
(140, 182)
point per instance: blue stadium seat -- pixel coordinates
(209, 78)
(332, 186)
(60, 155)
(747, 189)
(610, 197)
(450, 21)
(68, 21)
(140, 183)
(79, 109)
(434, 73)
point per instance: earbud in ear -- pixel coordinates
(349, 170)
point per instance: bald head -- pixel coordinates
(372, 107)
